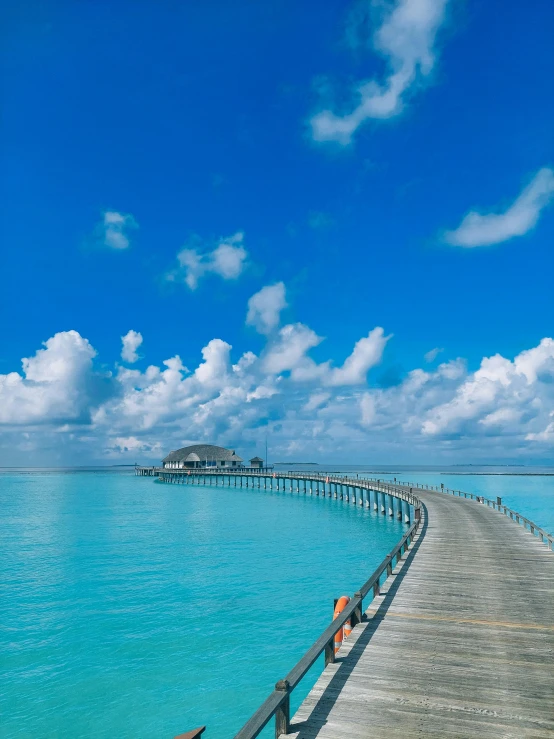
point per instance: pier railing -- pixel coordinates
(546, 537)
(394, 487)
(277, 704)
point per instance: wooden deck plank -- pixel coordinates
(459, 644)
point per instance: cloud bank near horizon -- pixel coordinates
(64, 404)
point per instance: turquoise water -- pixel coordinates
(136, 609)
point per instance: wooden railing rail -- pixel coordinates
(545, 536)
(278, 702)
(387, 486)
(361, 483)
(397, 488)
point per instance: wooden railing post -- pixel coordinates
(330, 653)
(356, 617)
(282, 714)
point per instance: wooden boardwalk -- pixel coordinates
(460, 643)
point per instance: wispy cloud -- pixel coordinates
(130, 343)
(227, 260)
(431, 355)
(319, 221)
(517, 220)
(265, 306)
(406, 38)
(115, 229)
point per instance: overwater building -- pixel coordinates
(202, 456)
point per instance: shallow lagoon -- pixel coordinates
(134, 608)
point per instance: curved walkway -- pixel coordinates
(460, 643)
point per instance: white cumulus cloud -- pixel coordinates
(288, 351)
(115, 228)
(131, 342)
(316, 400)
(121, 445)
(406, 38)
(366, 354)
(60, 400)
(546, 435)
(227, 260)
(367, 408)
(54, 386)
(265, 306)
(501, 393)
(520, 218)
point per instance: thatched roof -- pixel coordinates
(202, 452)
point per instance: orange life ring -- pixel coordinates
(342, 602)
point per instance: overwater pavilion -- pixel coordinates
(201, 456)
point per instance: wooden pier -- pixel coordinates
(460, 642)
(457, 639)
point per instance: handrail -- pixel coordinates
(496, 504)
(383, 485)
(278, 702)
(519, 518)
(393, 488)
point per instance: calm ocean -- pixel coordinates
(135, 609)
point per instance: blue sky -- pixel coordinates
(134, 131)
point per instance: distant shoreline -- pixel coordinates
(522, 471)
(460, 474)
(509, 474)
(312, 464)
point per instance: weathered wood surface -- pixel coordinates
(459, 644)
